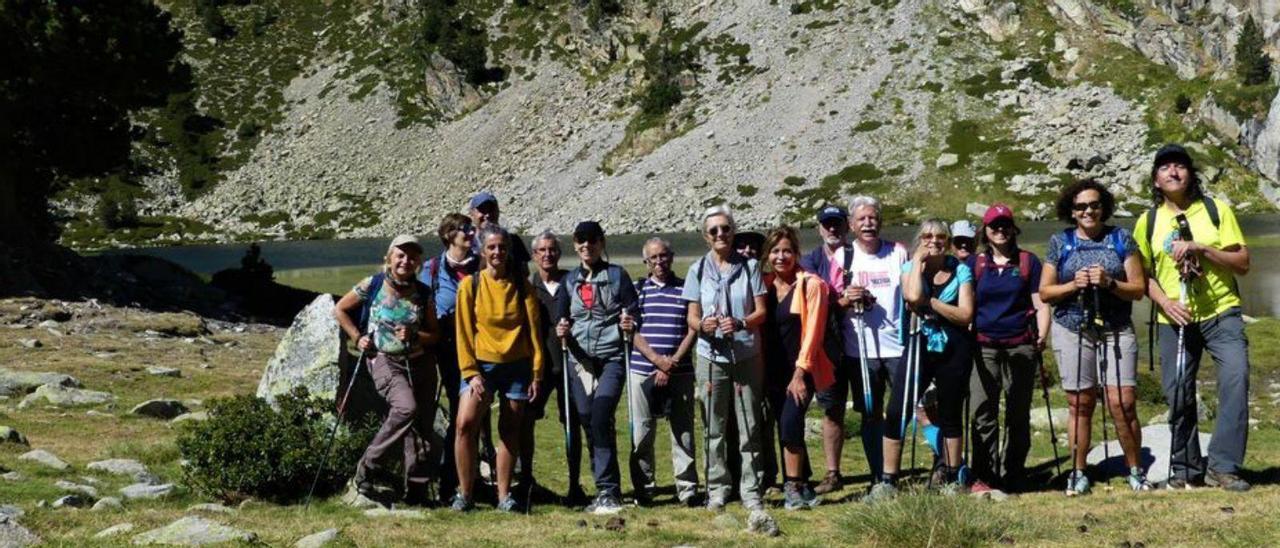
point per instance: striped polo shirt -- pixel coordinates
(662, 322)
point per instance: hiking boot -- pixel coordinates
(881, 492)
(715, 505)
(1077, 484)
(831, 482)
(576, 497)
(1138, 479)
(938, 477)
(1180, 482)
(808, 495)
(509, 505)
(605, 504)
(1227, 481)
(461, 504)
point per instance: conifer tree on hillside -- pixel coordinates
(1253, 66)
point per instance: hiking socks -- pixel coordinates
(889, 478)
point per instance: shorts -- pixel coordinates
(1121, 354)
(849, 380)
(511, 379)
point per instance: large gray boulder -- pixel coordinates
(160, 409)
(63, 396)
(13, 534)
(10, 435)
(46, 458)
(1266, 149)
(19, 383)
(194, 531)
(307, 354)
(1154, 454)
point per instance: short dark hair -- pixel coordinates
(1194, 190)
(451, 223)
(1067, 200)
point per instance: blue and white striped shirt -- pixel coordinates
(662, 322)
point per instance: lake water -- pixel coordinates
(334, 265)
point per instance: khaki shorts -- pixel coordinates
(1121, 351)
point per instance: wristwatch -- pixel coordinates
(1111, 286)
(739, 324)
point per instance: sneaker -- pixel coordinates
(831, 482)
(792, 499)
(1180, 482)
(1077, 484)
(576, 497)
(1227, 481)
(881, 492)
(1138, 479)
(605, 504)
(715, 505)
(509, 505)
(979, 488)
(938, 477)
(808, 495)
(461, 504)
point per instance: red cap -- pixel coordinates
(997, 211)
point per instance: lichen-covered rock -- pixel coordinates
(160, 409)
(194, 531)
(13, 535)
(19, 383)
(63, 396)
(307, 354)
(46, 458)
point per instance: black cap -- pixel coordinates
(753, 239)
(1172, 153)
(588, 231)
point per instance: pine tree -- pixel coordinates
(1253, 66)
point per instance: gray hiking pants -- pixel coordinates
(1223, 336)
(1011, 373)
(647, 403)
(736, 392)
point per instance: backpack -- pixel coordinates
(1071, 242)
(982, 261)
(423, 292)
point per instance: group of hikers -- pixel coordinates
(942, 335)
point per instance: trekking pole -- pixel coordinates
(1053, 436)
(915, 396)
(1074, 433)
(626, 386)
(1000, 437)
(906, 393)
(1179, 369)
(1100, 367)
(862, 360)
(569, 411)
(333, 432)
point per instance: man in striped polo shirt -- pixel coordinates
(661, 376)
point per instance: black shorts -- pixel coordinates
(849, 381)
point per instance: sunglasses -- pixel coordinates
(938, 236)
(718, 230)
(1001, 227)
(1085, 206)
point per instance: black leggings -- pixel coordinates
(949, 370)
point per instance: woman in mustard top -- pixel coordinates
(497, 326)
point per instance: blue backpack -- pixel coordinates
(1070, 243)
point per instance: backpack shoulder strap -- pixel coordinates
(979, 266)
(1115, 241)
(614, 273)
(366, 308)
(1024, 265)
(434, 270)
(1069, 243)
(848, 265)
(1211, 207)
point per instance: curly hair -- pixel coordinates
(1067, 200)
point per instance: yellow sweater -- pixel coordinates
(493, 329)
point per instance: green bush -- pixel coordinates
(1253, 66)
(249, 449)
(116, 209)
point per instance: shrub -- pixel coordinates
(116, 209)
(248, 449)
(1181, 103)
(1253, 66)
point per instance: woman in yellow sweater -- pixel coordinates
(497, 326)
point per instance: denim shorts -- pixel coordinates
(509, 379)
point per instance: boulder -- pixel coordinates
(10, 435)
(11, 511)
(72, 501)
(119, 467)
(146, 491)
(164, 372)
(62, 396)
(1266, 148)
(316, 540)
(118, 529)
(76, 488)
(159, 409)
(194, 531)
(307, 354)
(13, 535)
(946, 160)
(1154, 456)
(196, 416)
(46, 458)
(18, 383)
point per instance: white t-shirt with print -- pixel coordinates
(882, 274)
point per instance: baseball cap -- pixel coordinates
(588, 231)
(482, 198)
(405, 240)
(1172, 153)
(831, 211)
(997, 211)
(963, 229)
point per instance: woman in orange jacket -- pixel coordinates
(797, 363)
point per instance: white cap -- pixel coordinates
(963, 229)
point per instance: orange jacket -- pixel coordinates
(812, 310)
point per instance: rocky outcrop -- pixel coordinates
(194, 531)
(14, 534)
(19, 383)
(998, 19)
(1169, 44)
(307, 354)
(1266, 148)
(62, 396)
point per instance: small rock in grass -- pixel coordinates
(46, 458)
(48, 324)
(146, 491)
(194, 531)
(72, 501)
(119, 467)
(160, 409)
(108, 503)
(385, 512)
(195, 416)
(11, 511)
(316, 540)
(10, 435)
(118, 529)
(616, 524)
(63, 396)
(76, 488)
(164, 371)
(210, 507)
(30, 343)
(761, 522)
(12, 476)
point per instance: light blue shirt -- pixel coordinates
(731, 293)
(935, 331)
